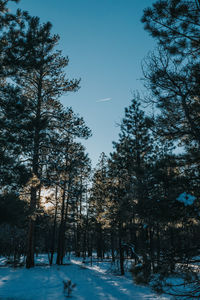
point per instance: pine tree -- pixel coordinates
(174, 89)
(99, 203)
(65, 159)
(127, 170)
(13, 172)
(42, 80)
(71, 178)
(175, 24)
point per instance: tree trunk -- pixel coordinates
(151, 243)
(54, 229)
(61, 233)
(35, 168)
(112, 247)
(172, 250)
(121, 256)
(99, 242)
(158, 245)
(121, 251)
(78, 229)
(30, 249)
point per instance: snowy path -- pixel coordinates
(45, 283)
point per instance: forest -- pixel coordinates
(140, 204)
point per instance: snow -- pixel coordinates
(46, 283)
(187, 199)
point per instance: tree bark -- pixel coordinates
(35, 169)
(61, 233)
(54, 229)
(121, 251)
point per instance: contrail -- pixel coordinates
(104, 100)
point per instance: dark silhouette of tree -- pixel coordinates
(42, 81)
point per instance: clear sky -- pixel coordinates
(105, 42)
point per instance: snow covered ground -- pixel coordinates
(46, 283)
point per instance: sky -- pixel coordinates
(106, 43)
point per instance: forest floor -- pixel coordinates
(95, 282)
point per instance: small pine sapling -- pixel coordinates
(68, 287)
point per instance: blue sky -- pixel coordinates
(105, 42)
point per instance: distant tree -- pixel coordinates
(128, 172)
(65, 163)
(71, 178)
(99, 199)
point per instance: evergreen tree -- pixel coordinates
(65, 162)
(99, 201)
(128, 171)
(175, 89)
(175, 24)
(42, 80)
(71, 182)
(12, 172)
